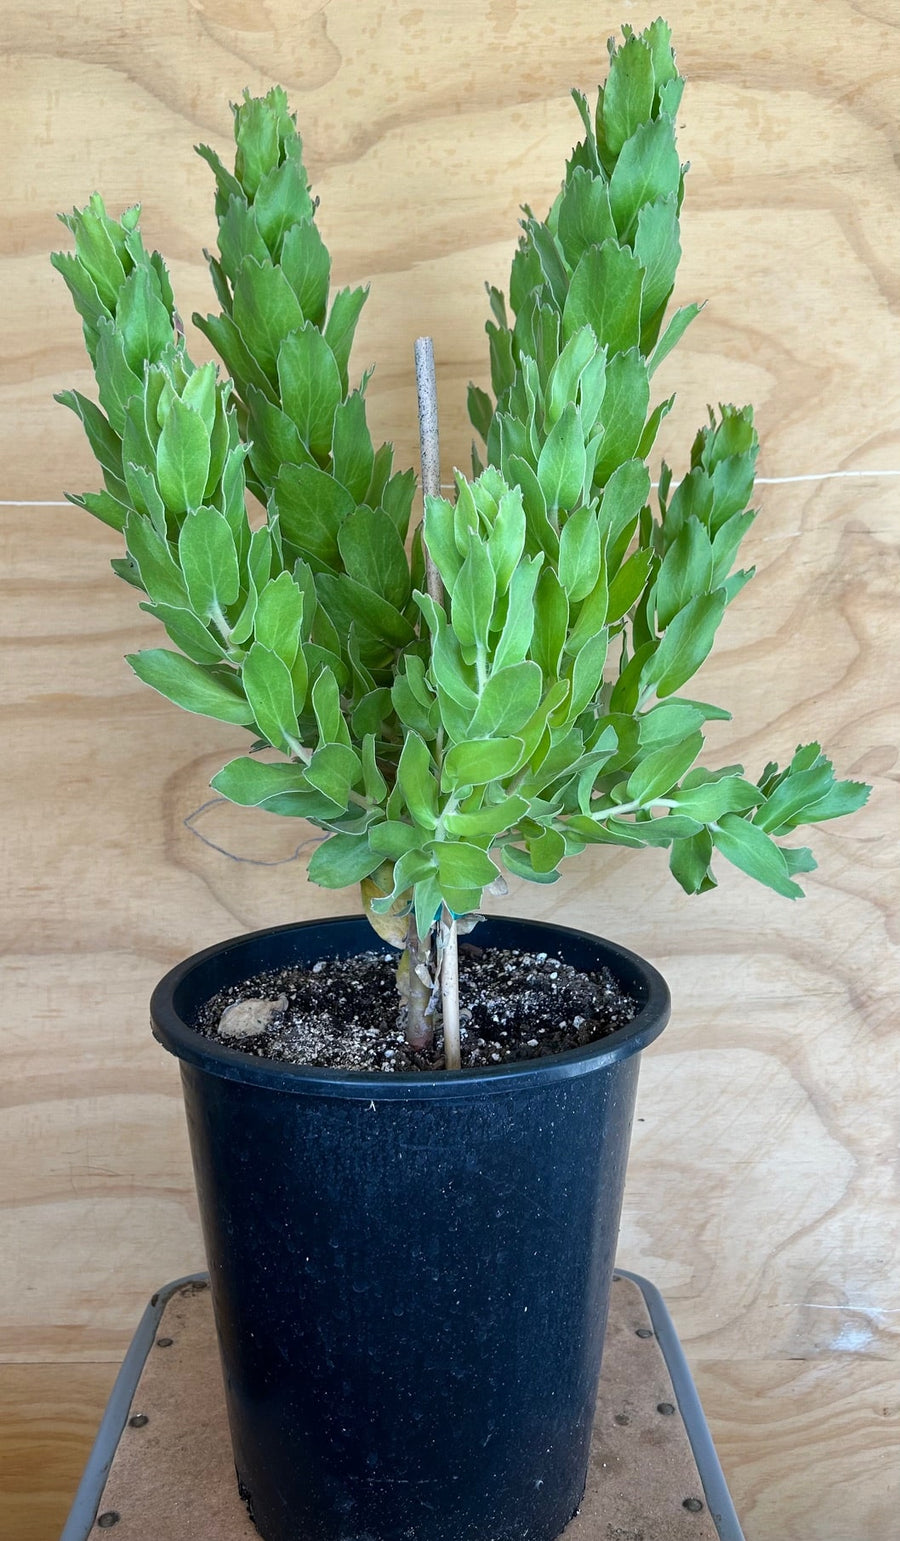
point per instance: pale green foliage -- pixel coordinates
(535, 711)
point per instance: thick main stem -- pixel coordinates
(419, 1017)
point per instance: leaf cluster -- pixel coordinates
(537, 708)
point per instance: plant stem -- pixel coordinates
(419, 1017)
(450, 991)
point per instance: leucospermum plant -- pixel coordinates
(502, 686)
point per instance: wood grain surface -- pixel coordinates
(762, 1195)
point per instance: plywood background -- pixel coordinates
(763, 1193)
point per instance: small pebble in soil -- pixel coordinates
(344, 1013)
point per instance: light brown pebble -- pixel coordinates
(245, 1019)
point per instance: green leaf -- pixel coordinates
(579, 554)
(234, 353)
(373, 553)
(658, 250)
(278, 788)
(105, 443)
(256, 136)
(506, 541)
(325, 698)
(689, 863)
(472, 605)
(409, 709)
(551, 621)
(393, 839)
(503, 367)
(707, 800)
(561, 464)
(547, 851)
(96, 250)
(159, 572)
(209, 562)
(647, 168)
(341, 326)
(539, 532)
(605, 294)
(585, 217)
(439, 537)
(306, 265)
(239, 237)
(587, 674)
(672, 335)
(278, 618)
(427, 900)
(842, 798)
(282, 199)
(685, 643)
(746, 846)
(565, 376)
(520, 864)
(333, 769)
(518, 628)
(310, 386)
(623, 414)
(627, 100)
(142, 320)
(487, 822)
(103, 506)
(266, 311)
(116, 380)
(353, 457)
(726, 543)
(348, 602)
(461, 865)
(311, 507)
(416, 780)
(182, 458)
(661, 769)
(479, 761)
(192, 685)
(480, 410)
(628, 584)
(267, 682)
(686, 571)
(507, 701)
(188, 633)
(341, 861)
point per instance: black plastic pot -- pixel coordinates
(410, 1272)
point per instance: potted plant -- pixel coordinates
(410, 1267)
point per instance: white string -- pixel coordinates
(761, 481)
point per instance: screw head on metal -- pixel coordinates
(693, 1505)
(644, 1332)
(138, 1421)
(622, 1419)
(164, 1342)
(108, 1519)
(666, 1408)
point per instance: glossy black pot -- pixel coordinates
(410, 1273)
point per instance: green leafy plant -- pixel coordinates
(500, 688)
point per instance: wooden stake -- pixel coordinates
(450, 991)
(429, 447)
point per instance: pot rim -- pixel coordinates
(192, 1048)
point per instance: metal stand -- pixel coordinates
(161, 1467)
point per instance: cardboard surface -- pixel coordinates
(172, 1478)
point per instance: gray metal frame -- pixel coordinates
(84, 1510)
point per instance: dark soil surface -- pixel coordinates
(345, 1012)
